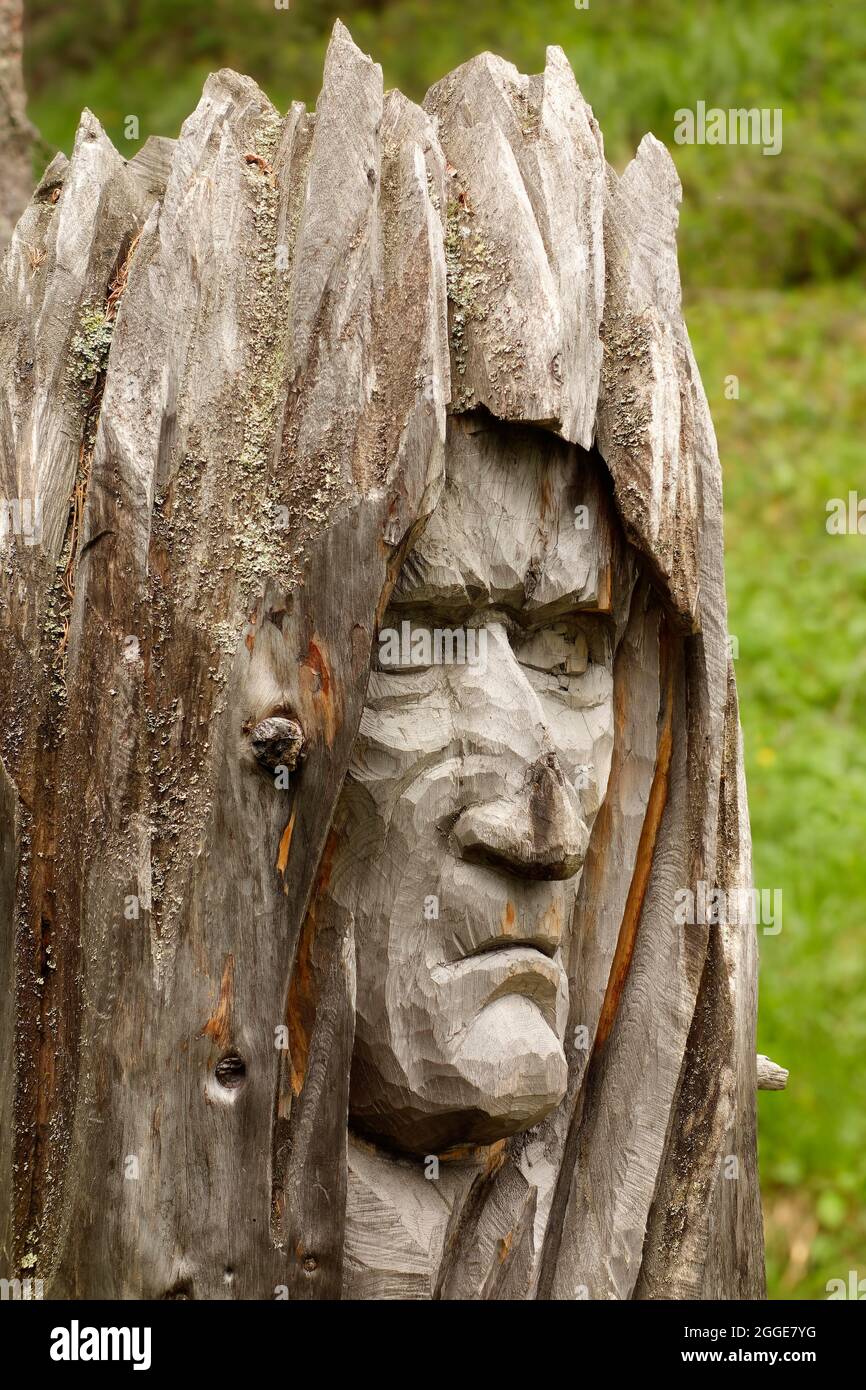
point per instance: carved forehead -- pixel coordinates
(524, 522)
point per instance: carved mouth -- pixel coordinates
(543, 945)
(509, 969)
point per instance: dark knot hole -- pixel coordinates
(230, 1070)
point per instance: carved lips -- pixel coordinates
(505, 970)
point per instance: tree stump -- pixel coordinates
(325, 983)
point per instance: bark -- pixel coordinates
(226, 367)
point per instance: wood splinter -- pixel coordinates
(771, 1077)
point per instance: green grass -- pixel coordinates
(798, 607)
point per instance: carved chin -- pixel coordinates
(505, 1073)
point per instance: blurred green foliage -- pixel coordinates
(772, 250)
(797, 599)
(750, 219)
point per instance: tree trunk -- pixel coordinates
(16, 134)
(226, 369)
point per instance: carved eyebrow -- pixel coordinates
(550, 575)
(414, 593)
(451, 612)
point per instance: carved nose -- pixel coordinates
(536, 835)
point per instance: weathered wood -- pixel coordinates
(332, 969)
(524, 237)
(645, 411)
(771, 1077)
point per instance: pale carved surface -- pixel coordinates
(476, 786)
(386, 913)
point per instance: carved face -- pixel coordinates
(472, 792)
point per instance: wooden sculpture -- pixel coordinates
(366, 703)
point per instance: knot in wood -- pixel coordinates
(230, 1070)
(277, 743)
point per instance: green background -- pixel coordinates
(772, 253)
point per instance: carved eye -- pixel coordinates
(554, 651)
(403, 649)
(412, 648)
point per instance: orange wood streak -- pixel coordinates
(643, 863)
(605, 590)
(496, 1156)
(303, 990)
(490, 1156)
(316, 660)
(218, 1026)
(321, 690)
(285, 846)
